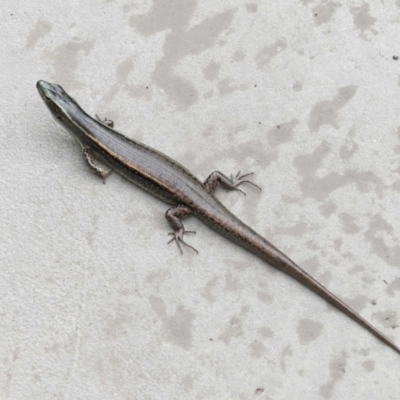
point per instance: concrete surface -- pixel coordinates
(306, 94)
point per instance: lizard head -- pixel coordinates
(57, 100)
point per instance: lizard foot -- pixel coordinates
(178, 237)
(237, 180)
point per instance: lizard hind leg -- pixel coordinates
(173, 216)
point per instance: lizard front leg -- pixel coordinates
(87, 152)
(106, 121)
(217, 178)
(97, 168)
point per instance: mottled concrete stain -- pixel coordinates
(240, 128)
(308, 331)
(181, 41)
(337, 244)
(39, 31)
(141, 91)
(114, 368)
(337, 369)
(357, 303)
(393, 287)
(285, 353)
(305, 2)
(232, 282)
(327, 208)
(368, 280)
(311, 265)
(387, 319)
(356, 270)
(133, 217)
(16, 353)
(211, 71)
(324, 12)
(156, 278)
(233, 328)
(349, 225)
(298, 86)
(206, 133)
(67, 58)
(207, 95)
(90, 234)
(369, 365)
(251, 7)
(363, 20)
(118, 320)
(266, 333)
(326, 112)
(308, 163)
(6, 384)
(128, 7)
(257, 153)
(165, 15)
(312, 185)
(208, 290)
(282, 133)
(257, 349)
(289, 199)
(269, 52)
(326, 277)
(188, 382)
(265, 297)
(296, 230)
(178, 327)
(238, 56)
(378, 229)
(124, 68)
(226, 86)
(349, 148)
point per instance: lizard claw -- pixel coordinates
(178, 238)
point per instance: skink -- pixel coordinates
(166, 179)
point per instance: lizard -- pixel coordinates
(172, 183)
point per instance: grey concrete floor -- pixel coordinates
(305, 94)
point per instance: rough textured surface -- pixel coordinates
(95, 305)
